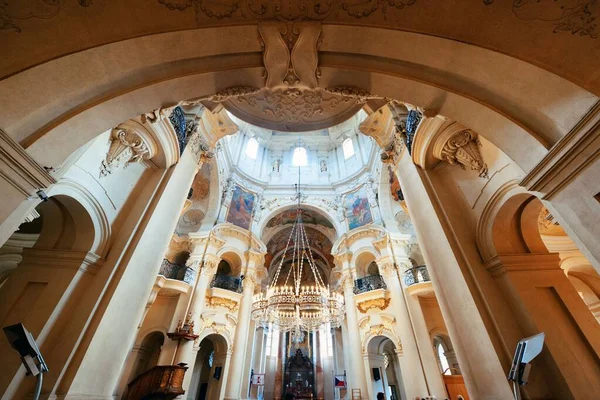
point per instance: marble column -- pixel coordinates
(185, 352)
(238, 358)
(122, 309)
(258, 360)
(480, 364)
(355, 370)
(411, 365)
(425, 345)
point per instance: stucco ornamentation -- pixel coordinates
(350, 93)
(126, 147)
(462, 149)
(208, 323)
(380, 303)
(287, 11)
(209, 268)
(215, 301)
(201, 150)
(577, 17)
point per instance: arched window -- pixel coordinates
(252, 148)
(445, 367)
(348, 148)
(299, 158)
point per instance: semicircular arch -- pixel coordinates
(513, 123)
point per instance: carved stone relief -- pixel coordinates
(126, 147)
(380, 303)
(458, 145)
(215, 301)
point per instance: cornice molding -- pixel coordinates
(19, 169)
(573, 153)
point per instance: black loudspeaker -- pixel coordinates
(217, 374)
(376, 375)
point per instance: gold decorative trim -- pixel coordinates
(215, 301)
(380, 303)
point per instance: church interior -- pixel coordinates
(300, 199)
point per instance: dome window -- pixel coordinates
(252, 148)
(299, 158)
(348, 148)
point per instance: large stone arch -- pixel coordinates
(112, 91)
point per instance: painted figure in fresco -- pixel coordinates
(359, 210)
(240, 209)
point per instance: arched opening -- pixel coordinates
(447, 361)
(208, 374)
(543, 299)
(383, 373)
(148, 353)
(228, 275)
(367, 274)
(56, 269)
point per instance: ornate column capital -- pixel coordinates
(458, 145)
(209, 267)
(127, 145)
(346, 280)
(341, 260)
(199, 147)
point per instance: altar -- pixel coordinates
(299, 377)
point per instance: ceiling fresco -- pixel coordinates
(317, 240)
(308, 217)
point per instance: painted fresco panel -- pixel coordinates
(308, 217)
(358, 209)
(240, 209)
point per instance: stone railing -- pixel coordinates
(368, 283)
(177, 271)
(416, 275)
(227, 282)
(161, 382)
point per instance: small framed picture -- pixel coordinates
(258, 379)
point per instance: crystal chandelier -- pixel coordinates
(287, 303)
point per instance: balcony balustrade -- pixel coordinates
(368, 283)
(227, 282)
(177, 271)
(416, 275)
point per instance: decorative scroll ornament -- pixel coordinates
(577, 17)
(126, 147)
(208, 323)
(287, 11)
(380, 303)
(462, 149)
(223, 95)
(208, 267)
(215, 301)
(387, 268)
(349, 93)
